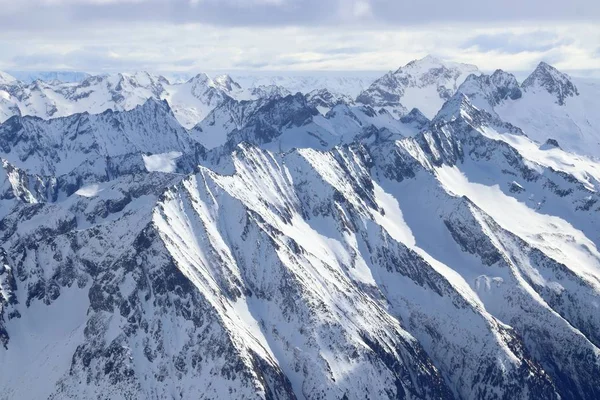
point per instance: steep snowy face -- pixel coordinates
(546, 106)
(548, 214)
(548, 78)
(284, 122)
(6, 78)
(132, 324)
(229, 116)
(73, 150)
(193, 100)
(273, 119)
(227, 84)
(487, 91)
(424, 84)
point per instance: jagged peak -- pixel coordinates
(226, 83)
(498, 77)
(415, 115)
(298, 97)
(326, 96)
(544, 70)
(319, 92)
(494, 88)
(144, 78)
(153, 104)
(432, 62)
(454, 107)
(290, 103)
(550, 144)
(7, 78)
(504, 76)
(199, 78)
(428, 61)
(552, 80)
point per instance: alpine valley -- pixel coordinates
(432, 234)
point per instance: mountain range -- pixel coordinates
(433, 236)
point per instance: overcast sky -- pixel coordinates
(227, 35)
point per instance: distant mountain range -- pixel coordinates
(49, 76)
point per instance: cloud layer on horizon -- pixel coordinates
(45, 13)
(200, 35)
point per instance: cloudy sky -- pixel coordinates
(296, 35)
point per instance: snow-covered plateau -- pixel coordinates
(431, 235)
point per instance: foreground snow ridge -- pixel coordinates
(309, 245)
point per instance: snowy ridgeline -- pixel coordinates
(546, 105)
(422, 239)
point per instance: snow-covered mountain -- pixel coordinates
(324, 100)
(424, 84)
(349, 84)
(49, 76)
(298, 246)
(296, 121)
(547, 105)
(6, 78)
(190, 100)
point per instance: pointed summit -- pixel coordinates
(201, 78)
(552, 80)
(424, 84)
(6, 79)
(458, 105)
(432, 62)
(427, 61)
(487, 91)
(156, 106)
(226, 83)
(415, 116)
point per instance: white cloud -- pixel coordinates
(109, 35)
(240, 3)
(362, 8)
